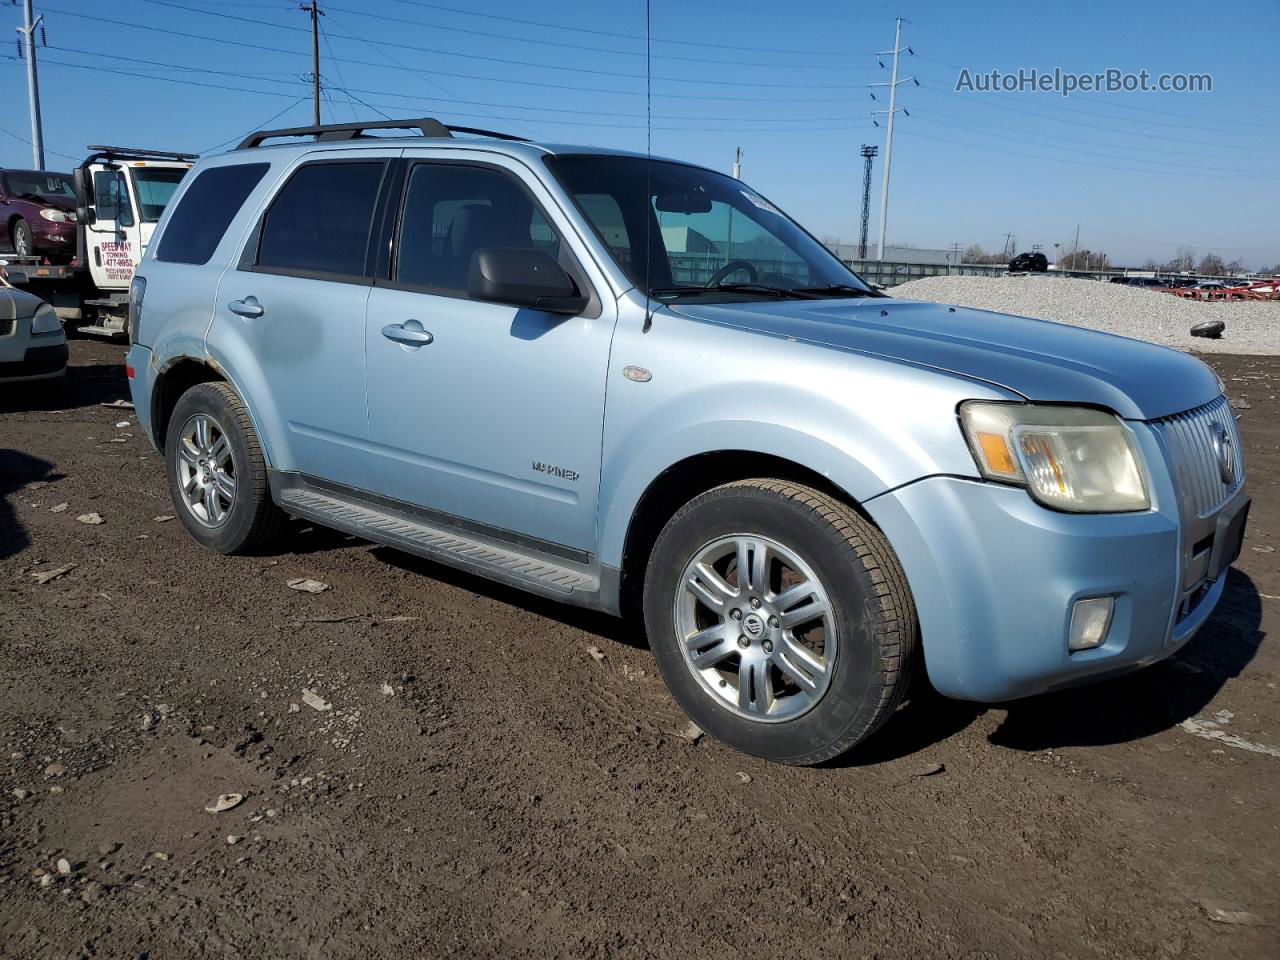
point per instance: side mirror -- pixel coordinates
(523, 277)
(83, 184)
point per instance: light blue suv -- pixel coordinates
(635, 385)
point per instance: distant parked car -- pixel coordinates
(1029, 263)
(32, 344)
(38, 213)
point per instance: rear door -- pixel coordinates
(292, 311)
(498, 419)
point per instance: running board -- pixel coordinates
(401, 526)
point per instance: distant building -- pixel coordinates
(686, 240)
(849, 251)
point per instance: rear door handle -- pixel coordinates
(413, 336)
(248, 307)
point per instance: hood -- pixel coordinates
(1043, 361)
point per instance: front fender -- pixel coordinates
(866, 424)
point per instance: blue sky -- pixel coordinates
(1142, 173)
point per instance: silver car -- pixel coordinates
(33, 346)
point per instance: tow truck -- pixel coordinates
(120, 194)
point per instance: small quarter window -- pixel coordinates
(319, 222)
(196, 225)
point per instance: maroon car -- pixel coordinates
(38, 213)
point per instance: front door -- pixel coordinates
(290, 317)
(111, 240)
(489, 414)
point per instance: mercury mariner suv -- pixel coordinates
(636, 385)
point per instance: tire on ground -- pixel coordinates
(874, 615)
(253, 519)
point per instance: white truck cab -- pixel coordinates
(121, 193)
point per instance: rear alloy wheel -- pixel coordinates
(781, 620)
(23, 243)
(206, 470)
(217, 473)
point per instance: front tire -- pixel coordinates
(217, 472)
(808, 652)
(22, 240)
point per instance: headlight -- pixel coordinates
(56, 216)
(45, 320)
(1068, 458)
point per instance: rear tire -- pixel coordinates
(820, 634)
(217, 472)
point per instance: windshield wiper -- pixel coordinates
(794, 293)
(839, 290)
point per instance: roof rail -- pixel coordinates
(140, 153)
(426, 127)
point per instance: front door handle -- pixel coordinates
(248, 307)
(413, 336)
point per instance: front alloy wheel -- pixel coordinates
(780, 618)
(756, 628)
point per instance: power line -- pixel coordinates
(541, 120)
(1032, 156)
(261, 126)
(700, 44)
(522, 82)
(1054, 143)
(416, 48)
(701, 58)
(1079, 123)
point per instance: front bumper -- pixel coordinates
(994, 576)
(32, 356)
(49, 235)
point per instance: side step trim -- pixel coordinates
(536, 572)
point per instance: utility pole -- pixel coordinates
(888, 137)
(28, 29)
(1007, 238)
(1075, 249)
(314, 9)
(737, 164)
(868, 154)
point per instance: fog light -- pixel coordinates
(1090, 621)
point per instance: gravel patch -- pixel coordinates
(1252, 327)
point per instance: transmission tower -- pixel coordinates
(868, 154)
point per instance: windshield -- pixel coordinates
(154, 187)
(40, 184)
(709, 237)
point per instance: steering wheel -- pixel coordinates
(718, 277)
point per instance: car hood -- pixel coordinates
(1043, 361)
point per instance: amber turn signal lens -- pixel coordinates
(999, 457)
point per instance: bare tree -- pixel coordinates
(1212, 265)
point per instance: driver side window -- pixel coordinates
(111, 197)
(453, 210)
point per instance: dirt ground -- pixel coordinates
(483, 785)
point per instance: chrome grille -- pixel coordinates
(1193, 454)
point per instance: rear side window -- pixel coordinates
(209, 205)
(319, 222)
